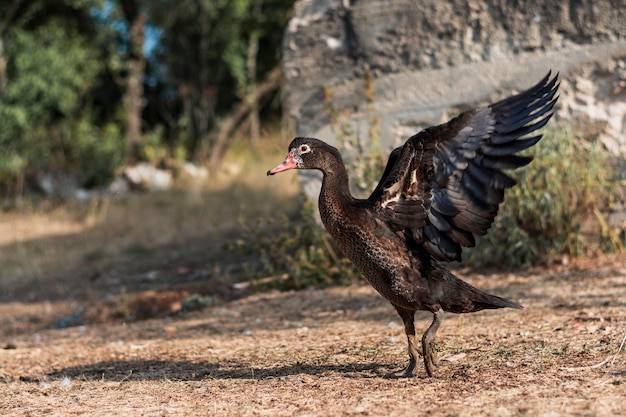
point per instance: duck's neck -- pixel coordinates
(335, 193)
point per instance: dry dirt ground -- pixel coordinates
(326, 353)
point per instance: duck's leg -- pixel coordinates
(408, 317)
(428, 343)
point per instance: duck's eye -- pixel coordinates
(304, 149)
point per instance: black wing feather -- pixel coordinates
(510, 147)
(445, 184)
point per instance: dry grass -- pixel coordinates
(309, 353)
(38, 246)
(326, 352)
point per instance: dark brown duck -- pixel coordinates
(438, 190)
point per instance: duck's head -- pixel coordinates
(306, 153)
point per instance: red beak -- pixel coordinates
(288, 163)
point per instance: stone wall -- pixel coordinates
(430, 59)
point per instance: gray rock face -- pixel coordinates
(431, 59)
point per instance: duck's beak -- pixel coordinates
(288, 163)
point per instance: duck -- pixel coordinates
(438, 191)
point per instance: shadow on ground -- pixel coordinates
(149, 370)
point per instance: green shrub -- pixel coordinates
(94, 152)
(47, 104)
(197, 302)
(558, 206)
(298, 249)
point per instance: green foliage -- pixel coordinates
(558, 206)
(92, 151)
(46, 105)
(299, 248)
(64, 67)
(205, 47)
(43, 86)
(197, 302)
(49, 73)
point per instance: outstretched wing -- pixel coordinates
(445, 184)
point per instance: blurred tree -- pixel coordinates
(8, 11)
(215, 53)
(52, 60)
(251, 58)
(79, 87)
(136, 65)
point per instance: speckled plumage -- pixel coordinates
(439, 189)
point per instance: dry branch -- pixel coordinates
(271, 83)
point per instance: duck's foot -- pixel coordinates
(429, 340)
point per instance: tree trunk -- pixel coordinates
(253, 51)
(133, 98)
(5, 22)
(202, 90)
(271, 83)
(4, 81)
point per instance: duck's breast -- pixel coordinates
(378, 253)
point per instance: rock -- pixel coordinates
(119, 186)
(194, 171)
(75, 319)
(143, 176)
(513, 41)
(587, 98)
(61, 184)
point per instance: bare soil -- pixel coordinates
(324, 352)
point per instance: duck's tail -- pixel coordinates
(468, 299)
